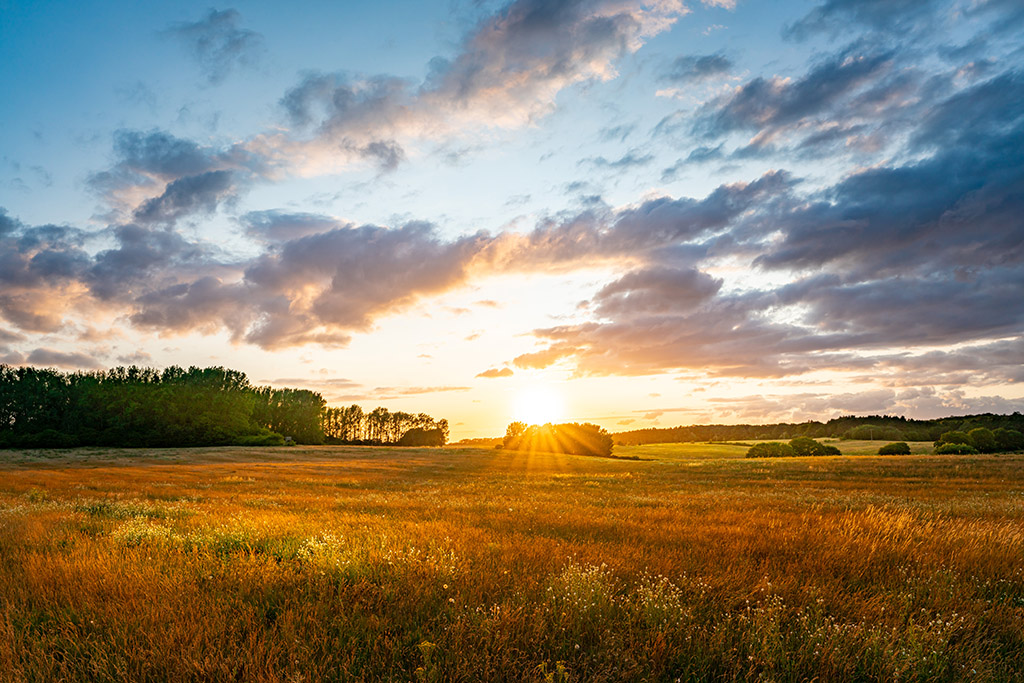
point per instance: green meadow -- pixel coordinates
(689, 563)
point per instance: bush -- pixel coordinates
(264, 439)
(898, 448)
(417, 436)
(1008, 440)
(955, 449)
(953, 437)
(983, 440)
(803, 445)
(771, 449)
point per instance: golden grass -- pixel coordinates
(334, 563)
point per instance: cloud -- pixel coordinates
(187, 196)
(399, 392)
(496, 372)
(282, 226)
(507, 73)
(616, 133)
(160, 177)
(892, 219)
(631, 159)
(74, 360)
(217, 43)
(6, 336)
(697, 68)
(772, 106)
(135, 358)
(143, 258)
(897, 17)
(656, 290)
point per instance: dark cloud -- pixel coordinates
(957, 209)
(186, 196)
(975, 115)
(218, 44)
(60, 359)
(656, 290)
(897, 17)
(496, 372)
(771, 105)
(631, 159)
(696, 68)
(143, 258)
(7, 336)
(38, 265)
(157, 176)
(160, 154)
(699, 155)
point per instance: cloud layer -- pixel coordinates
(906, 263)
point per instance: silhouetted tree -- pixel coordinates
(571, 438)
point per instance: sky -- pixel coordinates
(637, 214)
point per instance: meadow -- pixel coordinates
(460, 564)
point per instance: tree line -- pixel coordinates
(144, 407)
(352, 425)
(871, 427)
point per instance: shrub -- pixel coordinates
(953, 437)
(803, 445)
(954, 449)
(771, 449)
(265, 438)
(1008, 439)
(417, 436)
(898, 448)
(983, 440)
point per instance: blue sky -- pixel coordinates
(656, 212)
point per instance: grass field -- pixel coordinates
(304, 564)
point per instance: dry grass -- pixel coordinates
(464, 564)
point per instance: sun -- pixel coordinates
(538, 405)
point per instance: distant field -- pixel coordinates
(465, 564)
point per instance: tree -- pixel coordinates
(512, 433)
(1008, 439)
(569, 438)
(953, 437)
(803, 446)
(983, 440)
(955, 449)
(898, 448)
(771, 449)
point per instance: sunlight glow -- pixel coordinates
(538, 405)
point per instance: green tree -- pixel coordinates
(771, 449)
(983, 440)
(953, 437)
(1008, 440)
